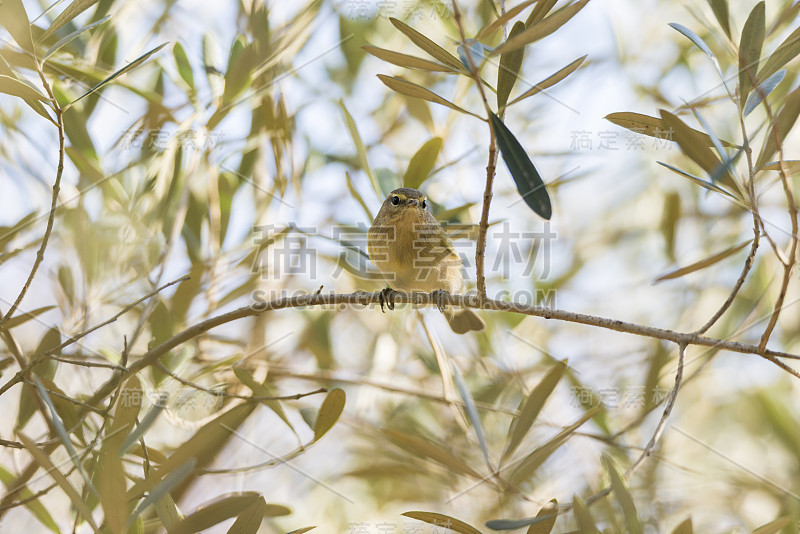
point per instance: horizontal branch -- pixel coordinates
(363, 300)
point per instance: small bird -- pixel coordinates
(413, 253)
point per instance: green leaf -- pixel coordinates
(720, 9)
(441, 520)
(624, 497)
(167, 512)
(784, 121)
(547, 519)
(542, 8)
(530, 407)
(786, 51)
(111, 485)
(14, 18)
(356, 195)
(138, 61)
(495, 25)
(73, 10)
(249, 520)
(690, 142)
(262, 390)
(183, 65)
(44, 462)
(27, 316)
(550, 80)
(526, 468)
(750, 51)
(162, 489)
(791, 166)
(407, 61)
(773, 527)
(424, 448)
(508, 71)
(16, 87)
(762, 91)
(652, 127)
(472, 412)
(685, 527)
(703, 183)
(702, 264)
(72, 36)
(529, 183)
(239, 73)
(361, 150)
(542, 28)
(434, 50)
(329, 412)
(34, 506)
(217, 511)
(407, 88)
(584, 518)
(422, 163)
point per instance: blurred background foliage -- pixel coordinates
(248, 147)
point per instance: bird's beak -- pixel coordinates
(413, 202)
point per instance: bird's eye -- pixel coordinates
(395, 200)
(424, 204)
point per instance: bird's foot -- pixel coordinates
(440, 297)
(387, 298)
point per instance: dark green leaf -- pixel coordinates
(750, 51)
(507, 72)
(529, 183)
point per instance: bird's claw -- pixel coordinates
(387, 297)
(440, 297)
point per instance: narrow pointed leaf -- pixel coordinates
(702, 264)
(541, 10)
(111, 484)
(528, 466)
(551, 80)
(786, 51)
(358, 197)
(433, 49)
(652, 126)
(762, 91)
(173, 478)
(699, 181)
(791, 166)
(167, 512)
(427, 449)
(508, 71)
(685, 527)
(496, 24)
(693, 37)
(14, 19)
(407, 88)
(422, 163)
(249, 520)
(750, 50)
(773, 527)
(690, 142)
(441, 520)
(72, 36)
(263, 391)
(135, 63)
(34, 506)
(584, 518)
(27, 316)
(217, 511)
(183, 65)
(329, 412)
(407, 61)
(529, 183)
(302, 530)
(531, 406)
(542, 28)
(472, 412)
(361, 150)
(624, 497)
(52, 471)
(784, 121)
(547, 519)
(720, 9)
(14, 87)
(144, 425)
(73, 10)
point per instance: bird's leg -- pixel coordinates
(387, 297)
(440, 297)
